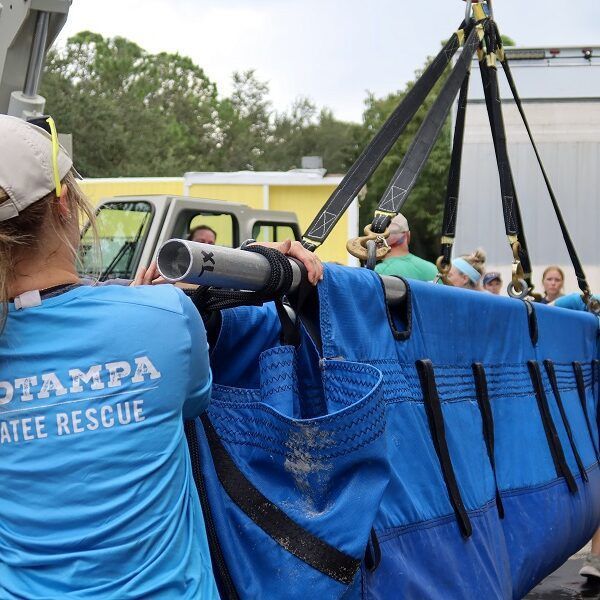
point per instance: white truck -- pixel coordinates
(560, 89)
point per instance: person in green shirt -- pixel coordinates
(399, 261)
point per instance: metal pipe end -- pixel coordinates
(174, 260)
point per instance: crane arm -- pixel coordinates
(28, 28)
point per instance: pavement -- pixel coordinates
(566, 583)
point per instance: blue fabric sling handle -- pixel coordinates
(273, 521)
(433, 408)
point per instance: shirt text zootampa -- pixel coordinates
(109, 378)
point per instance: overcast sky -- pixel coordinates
(332, 51)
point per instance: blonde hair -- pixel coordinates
(477, 261)
(21, 233)
(553, 268)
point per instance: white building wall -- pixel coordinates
(568, 137)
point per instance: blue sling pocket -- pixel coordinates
(291, 500)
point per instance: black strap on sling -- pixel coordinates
(380, 145)
(223, 578)
(415, 159)
(487, 419)
(272, 520)
(581, 392)
(549, 366)
(435, 417)
(554, 445)
(510, 206)
(453, 187)
(577, 266)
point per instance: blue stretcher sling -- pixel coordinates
(446, 449)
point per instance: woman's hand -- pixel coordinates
(296, 250)
(148, 276)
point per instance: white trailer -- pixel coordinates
(560, 90)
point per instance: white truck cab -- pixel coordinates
(132, 229)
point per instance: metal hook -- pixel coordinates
(468, 11)
(519, 292)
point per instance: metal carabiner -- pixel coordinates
(357, 247)
(468, 11)
(523, 292)
(482, 12)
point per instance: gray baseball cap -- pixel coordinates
(26, 171)
(401, 223)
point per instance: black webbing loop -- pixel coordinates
(549, 365)
(487, 419)
(554, 445)
(581, 392)
(532, 322)
(453, 187)
(373, 553)
(371, 157)
(435, 418)
(208, 299)
(223, 578)
(273, 521)
(417, 154)
(577, 266)
(510, 207)
(596, 388)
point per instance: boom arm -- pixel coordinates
(27, 30)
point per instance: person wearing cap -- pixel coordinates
(98, 497)
(492, 282)
(399, 261)
(467, 271)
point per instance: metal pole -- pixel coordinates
(218, 266)
(38, 52)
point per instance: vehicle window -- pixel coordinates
(122, 229)
(222, 224)
(273, 232)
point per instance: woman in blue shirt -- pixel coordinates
(98, 499)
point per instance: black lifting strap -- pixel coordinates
(273, 521)
(453, 187)
(380, 145)
(416, 157)
(582, 398)
(223, 578)
(435, 417)
(577, 266)
(487, 419)
(549, 365)
(510, 207)
(554, 445)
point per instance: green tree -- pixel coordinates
(305, 132)
(131, 113)
(245, 124)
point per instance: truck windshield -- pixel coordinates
(122, 229)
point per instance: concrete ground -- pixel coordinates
(566, 583)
